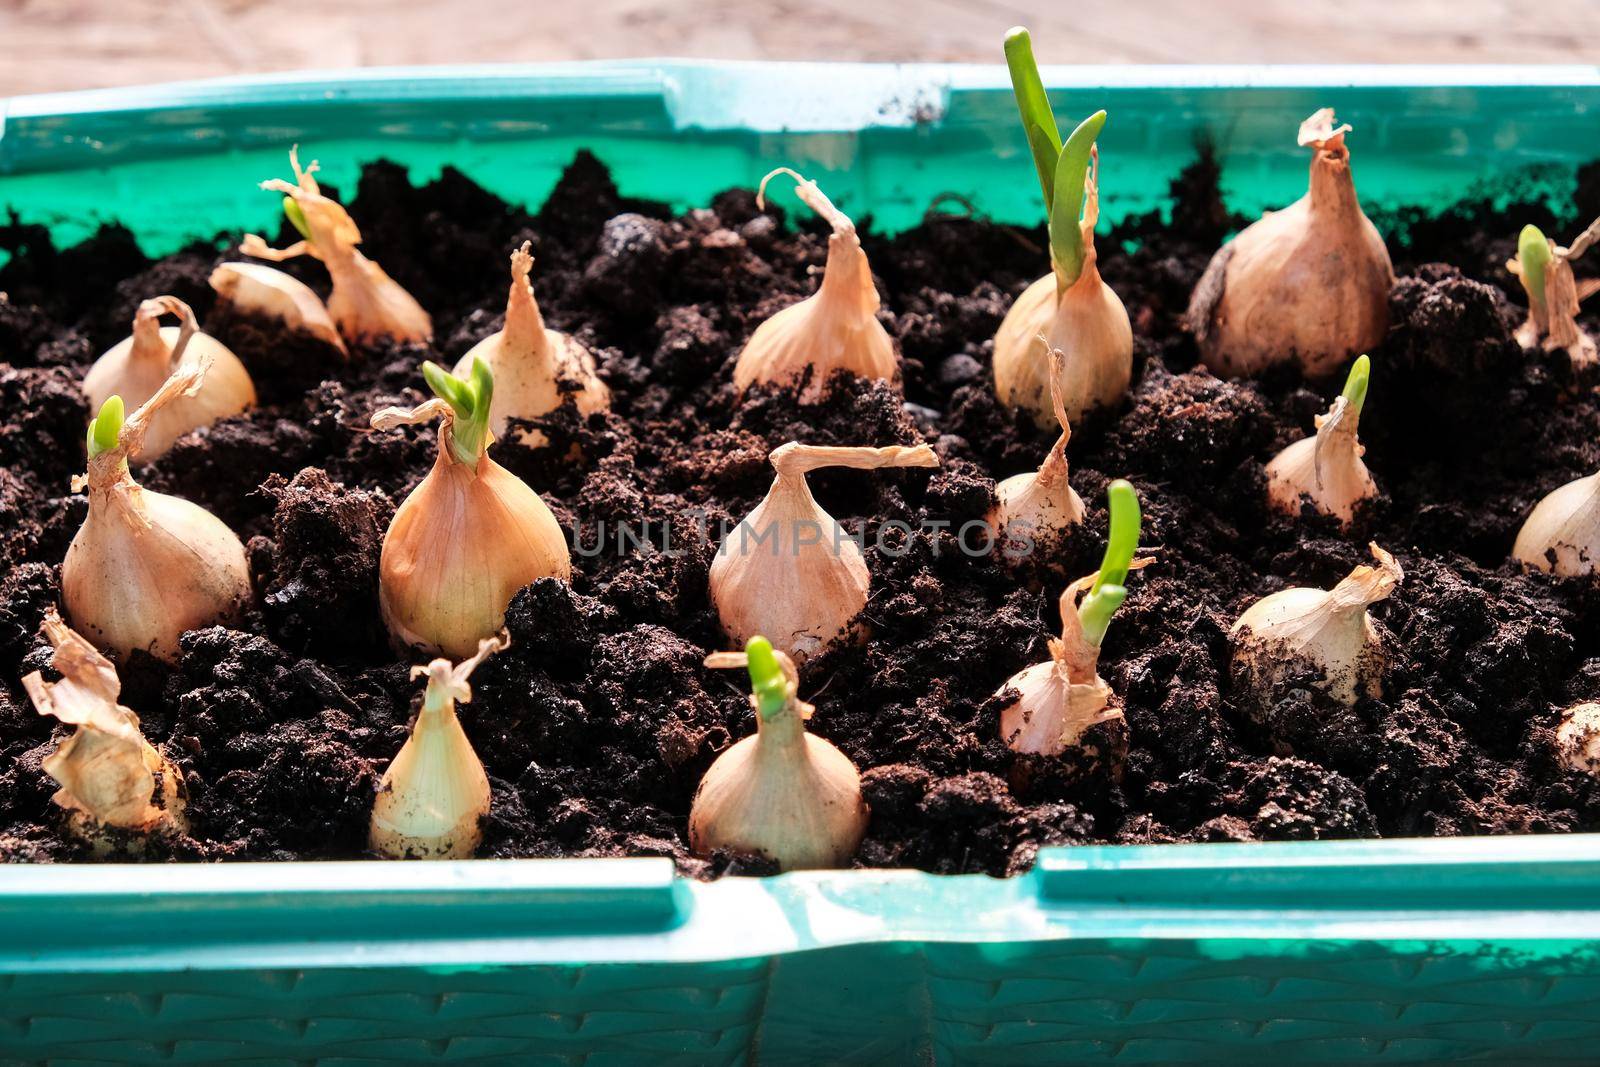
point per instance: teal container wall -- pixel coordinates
(1380, 952)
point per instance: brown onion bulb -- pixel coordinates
(1038, 507)
(1308, 284)
(1562, 534)
(834, 329)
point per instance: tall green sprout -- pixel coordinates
(1061, 166)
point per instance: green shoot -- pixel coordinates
(1355, 386)
(105, 429)
(470, 401)
(1533, 253)
(1034, 105)
(1066, 213)
(1061, 167)
(297, 217)
(1122, 541)
(767, 679)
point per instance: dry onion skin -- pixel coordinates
(836, 329)
(469, 536)
(535, 368)
(1562, 534)
(1063, 706)
(432, 799)
(1071, 308)
(135, 367)
(782, 793)
(146, 567)
(116, 788)
(1578, 738)
(1545, 270)
(1034, 511)
(789, 571)
(366, 304)
(267, 292)
(1307, 285)
(1328, 631)
(1326, 468)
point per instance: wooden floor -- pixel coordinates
(48, 45)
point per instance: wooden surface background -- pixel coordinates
(48, 45)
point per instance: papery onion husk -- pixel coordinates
(1578, 738)
(366, 304)
(1554, 294)
(1562, 534)
(789, 571)
(535, 368)
(1325, 468)
(1034, 511)
(1308, 284)
(836, 329)
(783, 793)
(1327, 631)
(432, 799)
(135, 367)
(1079, 316)
(146, 567)
(263, 291)
(463, 543)
(115, 786)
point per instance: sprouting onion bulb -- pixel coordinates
(1034, 509)
(111, 778)
(789, 570)
(1328, 631)
(1562, 534)
(366, 304)
(146, 567)
(1071, 307)
(1307, 285)
(1545, 269)
(1326, 468)
(469, 536)
(269, 293)
(1578, 738)
(1063, 705)
(535, 368)
(835, 329)
(432, 799)
(135, 367)
(783, 793)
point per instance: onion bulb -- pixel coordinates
(1326, 468)
(468, 537)
(111, 778)
(1562, 535)
(1059, 702)
(1545, 270)
(1071, 308)
(135, 367)
(1033, 510)
(1326, 630)
(535, 368)
(366, 304)
(1306, 285)
(257, 289)
(1578, 738)
(146, 567)
(784, 793)
(789, 570)
(432, 799)
(834, 329)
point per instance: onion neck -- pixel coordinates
(782, 733)
(847, 279)
(1332, 190)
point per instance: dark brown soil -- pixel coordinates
(597, 723)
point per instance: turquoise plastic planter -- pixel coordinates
(1383, 952)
